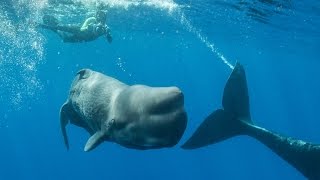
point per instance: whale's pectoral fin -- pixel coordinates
(96, 139)
(64, 120)
(229, 122)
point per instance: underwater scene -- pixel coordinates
(159, 89)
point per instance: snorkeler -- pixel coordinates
(91, 29)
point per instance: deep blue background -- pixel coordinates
(156, 49)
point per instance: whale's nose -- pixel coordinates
(168, 99)
(175, 95)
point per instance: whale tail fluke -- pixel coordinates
(230, 121)
(234, 119)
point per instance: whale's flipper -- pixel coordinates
(64, 120)
(227, 122)
(96, 139)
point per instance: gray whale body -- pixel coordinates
(138, 116)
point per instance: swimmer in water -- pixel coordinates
(91, 29)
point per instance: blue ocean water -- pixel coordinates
(189, 44)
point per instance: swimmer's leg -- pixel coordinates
(70, 28)
(51, 23)
(44, 26)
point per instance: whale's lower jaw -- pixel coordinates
(146, 147)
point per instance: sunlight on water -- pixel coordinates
(170, 6)
(21, 53)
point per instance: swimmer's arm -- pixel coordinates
(87, 22)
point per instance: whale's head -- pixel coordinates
(155, 115)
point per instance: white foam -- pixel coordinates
(168, 5)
